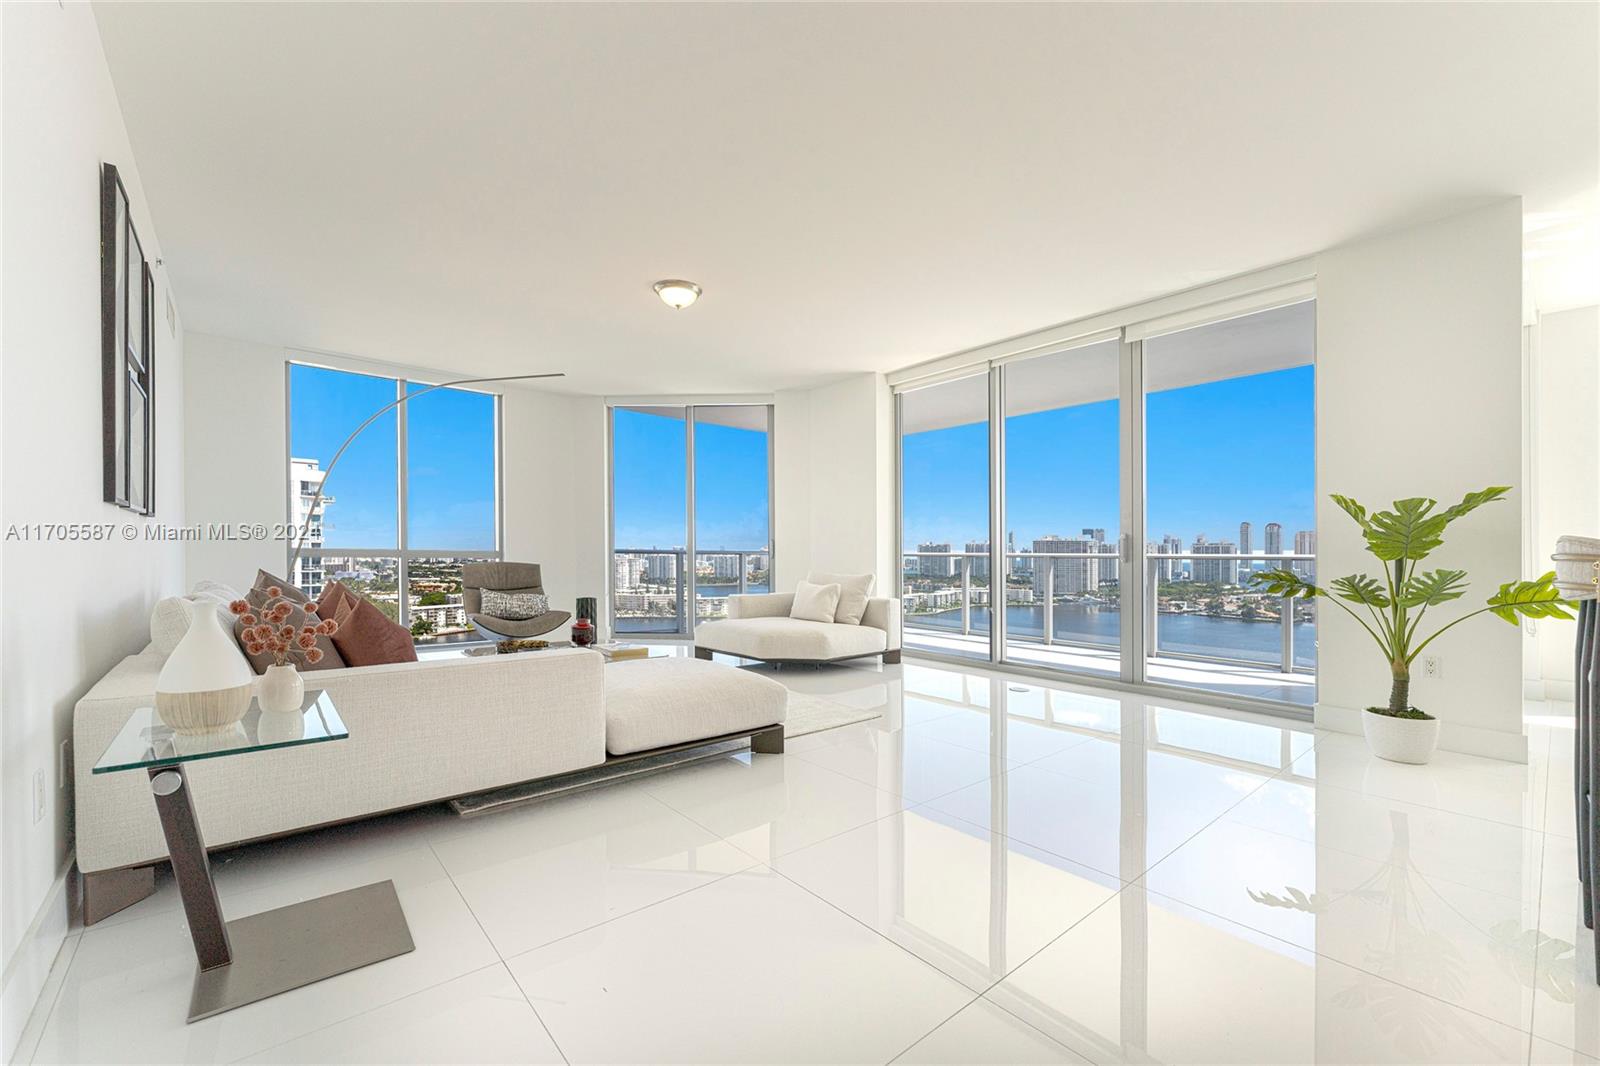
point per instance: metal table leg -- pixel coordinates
(1583, 751)
(261, 955)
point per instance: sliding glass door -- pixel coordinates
(945, 550)
(1063, 509)
(691, 513)
(1230, 472)
(1192, 437)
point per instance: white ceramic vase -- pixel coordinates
(282, 690)
(206, 683)
(1407, 740)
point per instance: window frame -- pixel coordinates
(689, 607)
(403, 552)
(1280, 286)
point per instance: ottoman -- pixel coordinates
(667, 702)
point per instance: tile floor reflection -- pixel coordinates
(995, 869)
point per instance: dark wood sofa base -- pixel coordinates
(889, 657)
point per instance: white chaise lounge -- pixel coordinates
(762, 627)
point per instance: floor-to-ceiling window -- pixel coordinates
(415, 496)
(688, 482)
(945, 582)
(1146, 472)
(1230, 490)
(1063, 509)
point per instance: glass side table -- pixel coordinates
(261, 955)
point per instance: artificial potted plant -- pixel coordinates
(1396, 606)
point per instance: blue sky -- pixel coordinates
(450, 480)
(649, 494)
(1217, 454)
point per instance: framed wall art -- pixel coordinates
(127, 357)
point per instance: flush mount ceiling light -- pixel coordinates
(677, 294)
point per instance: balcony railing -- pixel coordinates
(649, 584)
(951, 603)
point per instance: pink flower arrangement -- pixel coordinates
(268, 629)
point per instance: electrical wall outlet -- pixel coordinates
(38, 796)
(1432, 667)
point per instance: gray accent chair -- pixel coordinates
(506, 577)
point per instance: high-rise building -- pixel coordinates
(628, 572)
(978, 564)
(1305, 543)
(935, 565)
(1167, 570)
(1244, 538)
(1217, 571)
(1274, 539)
(1018, 565)
(305, 475)
(1066, 577)
(662, 567)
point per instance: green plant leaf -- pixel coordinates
(1410, 531)
(1530, 599)
(1285, 582)
(1473, 500)
(1433, 588)
(1360, 588)
(1351, 508)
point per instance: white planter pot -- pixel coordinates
(282, 690)
(1407, 740)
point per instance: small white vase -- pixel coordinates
(282, 690)
(280, 727)
(1407, 740)
(205, 683)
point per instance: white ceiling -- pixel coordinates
(494, 188)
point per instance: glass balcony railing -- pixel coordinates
(1199, 606)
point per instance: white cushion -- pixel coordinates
(170, 618)
(854, 591)
(789, 638)
(815, 603)
(654, 702)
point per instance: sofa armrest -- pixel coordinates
(883, 613)
(761, 605)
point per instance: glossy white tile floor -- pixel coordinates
(996, 870)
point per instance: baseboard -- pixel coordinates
(29, 968)
(1466, 739)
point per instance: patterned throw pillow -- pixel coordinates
(514, 606)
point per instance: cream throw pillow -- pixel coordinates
(815, 603)
(854, 590)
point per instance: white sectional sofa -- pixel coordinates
(419, 733)
(759, 627)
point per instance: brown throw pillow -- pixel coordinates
(367, 638)
(331, 660)
(332, 594)
(265, 581)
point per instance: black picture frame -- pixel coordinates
(127, 356)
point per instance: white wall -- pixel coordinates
(834, 497)
(70, 611)
(1419, 393)
(229, 384)
(1566, 439)
(543, 524)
